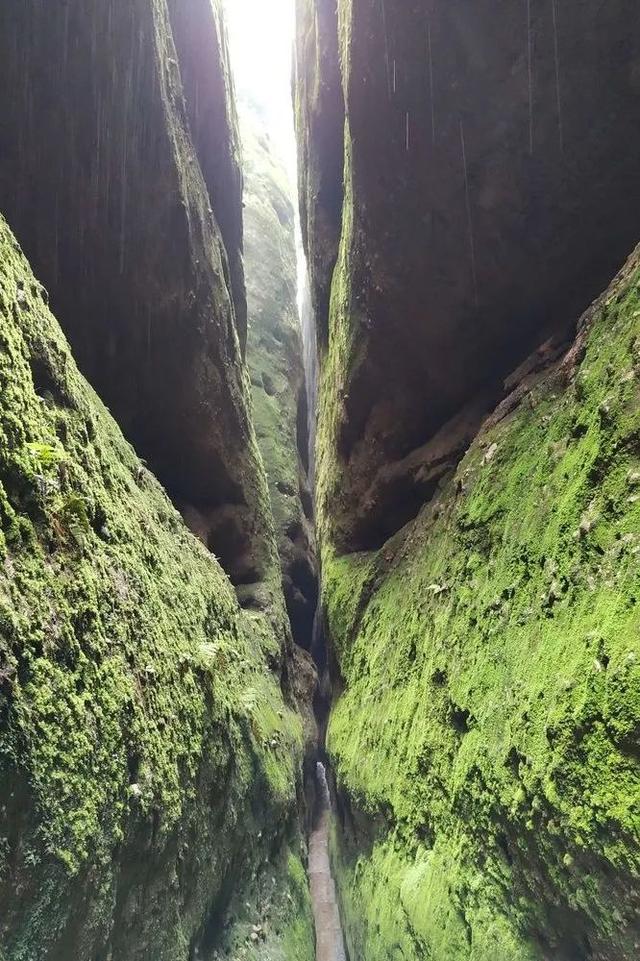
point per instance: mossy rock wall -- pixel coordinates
(150, 743)
(479, 573)
(120, 176)
(485, 742)
(274, 355)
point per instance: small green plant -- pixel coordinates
(249, 700)
(46, 455)
(73, 515)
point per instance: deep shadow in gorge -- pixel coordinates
(125, 188)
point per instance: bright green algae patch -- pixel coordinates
(144, 740)
(486, 743)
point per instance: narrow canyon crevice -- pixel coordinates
(275, 360)
(319, 480)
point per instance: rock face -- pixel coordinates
(150, 743)
(477, 469)
(319, 110)
(120, 174)
(201, 45)
(152, 732)
(274, 355)
(485, 206)
(486, 741)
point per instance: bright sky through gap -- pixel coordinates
(261, 35)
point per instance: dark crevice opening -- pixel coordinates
(402, 486)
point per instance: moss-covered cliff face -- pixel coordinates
(150, 742)
(486, 743)
(484, 209)
(479, 570)
(120, 174)
(274, 355)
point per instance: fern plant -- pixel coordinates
(46, 455)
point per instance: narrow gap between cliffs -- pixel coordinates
(261, 61)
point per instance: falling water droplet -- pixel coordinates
(386, 45)
(430, 60)
(56, 241)
(472, 246)
(556, 52)
(65, 42)
(530, 74)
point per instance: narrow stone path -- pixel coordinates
(329, 939)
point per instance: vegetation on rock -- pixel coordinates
(479, 571)
(477, 473)
(121, 176)
(477, 222)
(274, 355)
(485, 744)
(149, 759)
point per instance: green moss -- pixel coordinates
(140, 722)
(298, 940)
(277, 924)
(274, 356)
(491, 660)
(274, 349)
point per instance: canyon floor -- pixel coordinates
(329, 937)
